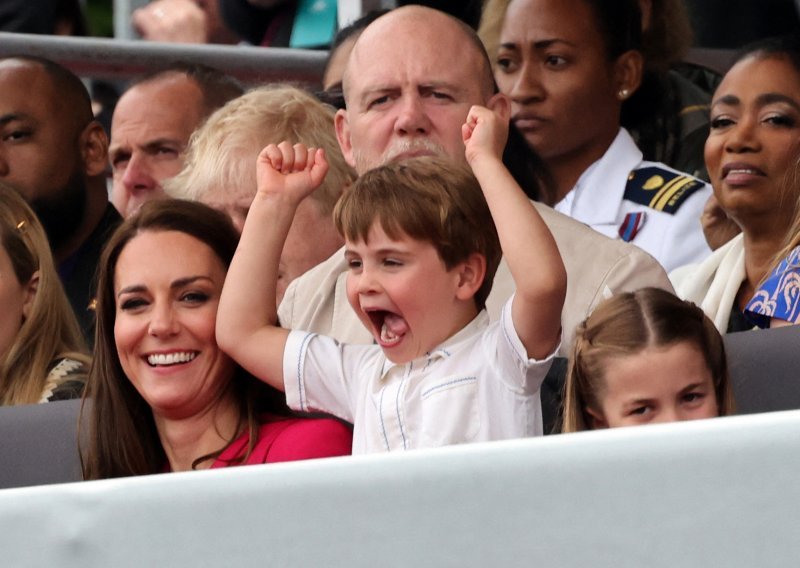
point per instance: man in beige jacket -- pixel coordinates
(409, 84)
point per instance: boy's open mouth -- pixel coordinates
(390, 327)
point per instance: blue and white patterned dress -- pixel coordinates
(779, 295)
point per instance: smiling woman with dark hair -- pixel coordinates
(751, 154)
(164, 396)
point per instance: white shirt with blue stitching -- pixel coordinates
(477, 386)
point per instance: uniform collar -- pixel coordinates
(600, 189)
(442, 351)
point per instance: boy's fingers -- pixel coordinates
(319, 167)
(313, 157)
(287, 153)
(301, 155)
(272, 155)
(262, 155)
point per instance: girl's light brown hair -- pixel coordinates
(627, 324)
(50, 331)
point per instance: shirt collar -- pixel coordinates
(600, 189)
(441, 351)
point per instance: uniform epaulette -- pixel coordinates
(660, 189)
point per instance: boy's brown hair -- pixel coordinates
(429, 199)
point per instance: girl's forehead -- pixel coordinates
(656, 370)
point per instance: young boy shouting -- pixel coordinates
(422, 250)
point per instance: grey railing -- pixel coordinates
(117, 59)
(114, 59)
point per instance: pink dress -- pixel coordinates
(290, 439)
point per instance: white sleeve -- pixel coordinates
(519, 373)
(684, 242)
(286, 307)
(319, 374)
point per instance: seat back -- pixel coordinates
(39, 444)
(764, 367)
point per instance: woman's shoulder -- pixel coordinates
(298, 438)
(779, 295)
(693, 279)
(65, 380)
(283, 439)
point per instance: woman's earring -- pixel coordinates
(623, 94)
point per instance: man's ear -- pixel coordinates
(470, 273)
(343, 136)
(30, 294)
(598, 422)
(94, 149)
(628, 70)
(500, 104)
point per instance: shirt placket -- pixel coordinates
(392, 408)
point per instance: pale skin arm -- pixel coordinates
(528, 246)
(247, 320)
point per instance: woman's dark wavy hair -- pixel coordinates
(122, 439)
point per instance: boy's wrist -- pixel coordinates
(485, 161)
(276, 199)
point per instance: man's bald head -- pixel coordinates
(411, 23)
(151, 126)
(68, 95)
(409, 84)
(52, 150)
(216, 88)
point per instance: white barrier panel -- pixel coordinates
(713, 493)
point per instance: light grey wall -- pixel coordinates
(722, 492)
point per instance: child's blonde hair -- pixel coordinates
(428, 199)
(627, 324)
(50, 331)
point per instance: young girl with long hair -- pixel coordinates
(645, 357)
(42, 355)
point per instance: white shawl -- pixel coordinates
(714, 283)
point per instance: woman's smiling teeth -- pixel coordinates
(166, 359)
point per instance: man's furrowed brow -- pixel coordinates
(441, 86)
(378, 89)
(152, 145)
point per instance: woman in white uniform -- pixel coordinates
(568, 66)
